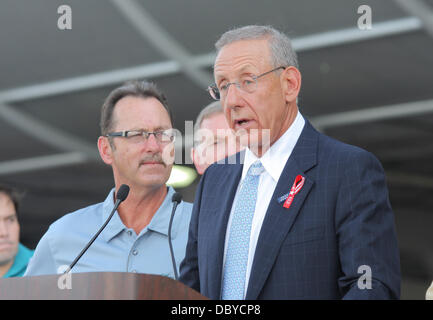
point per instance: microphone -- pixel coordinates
(122, 194)
(176, 199)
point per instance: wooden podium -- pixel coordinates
(97, 286)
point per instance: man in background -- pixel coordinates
(14, 256)
(136, 137)
(213, 138)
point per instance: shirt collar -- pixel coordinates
(275, 159)
(20, 262)
(115, 226)
(159, 222)
(161, 218)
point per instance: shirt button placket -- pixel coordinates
(134, 252)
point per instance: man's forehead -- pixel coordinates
(215, 121)
(7, 207)
(141, 113)
(4, 198)
(216, 128)
(131, 103)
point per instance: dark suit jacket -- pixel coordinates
(340, 221)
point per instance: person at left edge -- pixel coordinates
(136, 129)
(14, 256)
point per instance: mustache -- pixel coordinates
(153, 158)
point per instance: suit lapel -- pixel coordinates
(279, 220)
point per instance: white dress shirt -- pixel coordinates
(273, 162)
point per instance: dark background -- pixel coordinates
(371, 88)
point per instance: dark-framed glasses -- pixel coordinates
(247, 83)
(162, 136)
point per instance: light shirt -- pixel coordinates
(117, 248)
(20, 262)
(273, 162)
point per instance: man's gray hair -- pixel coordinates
(211, 109)
(282, 53)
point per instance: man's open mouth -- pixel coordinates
(242, 123)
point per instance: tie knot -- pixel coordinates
(256, 168)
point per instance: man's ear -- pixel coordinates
(105, 150)
(196, 160)
(291, 81)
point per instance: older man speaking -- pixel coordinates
(304, 216)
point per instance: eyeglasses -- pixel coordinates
(164, 136)
(247, 83)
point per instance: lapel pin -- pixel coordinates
(297, 186)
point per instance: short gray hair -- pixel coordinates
(211, 109)
(132, 88)
(282, 53)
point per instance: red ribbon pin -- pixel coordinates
(297, 186)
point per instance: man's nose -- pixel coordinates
(233, 96)
(151, 144)
(3, 229)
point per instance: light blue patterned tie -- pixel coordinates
(239, 238)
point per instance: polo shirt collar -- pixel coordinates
(159, 222)
(115, 226)
(161, 218)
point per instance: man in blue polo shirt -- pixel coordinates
(14, 256)
(136, 137)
